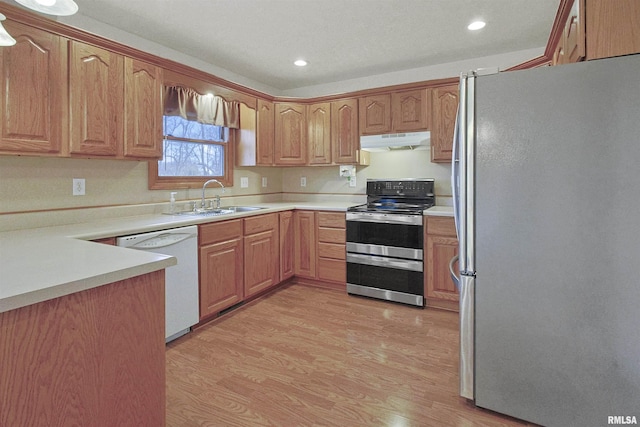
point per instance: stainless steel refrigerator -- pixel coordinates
(546, 183)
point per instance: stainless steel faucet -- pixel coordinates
(217, 198)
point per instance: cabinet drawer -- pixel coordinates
(332, 219)
(443, 226)
(332, 235)
(331, 250)
(219, 231)
(257, 224)
(332, 270)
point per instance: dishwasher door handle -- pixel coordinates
(162, 241)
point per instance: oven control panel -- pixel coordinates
(415, 188)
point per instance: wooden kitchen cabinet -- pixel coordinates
(331, 229)
(612, 28)
(375, 114)
(444, 107)
(571, 44)
(33, 93)
(221, 266)
(441, 245)
(142, 109)
(345, 138)
(290, 146)
(265, 117)
(305, 244)
(319, 133)
(287, 243)
(261, 253)
(96, 90)
(409, 111)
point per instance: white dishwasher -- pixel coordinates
(181, 280)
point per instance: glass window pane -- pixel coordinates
(181, 128)
(191, 159)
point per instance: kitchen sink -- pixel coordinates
(206, 212)
(244, 208)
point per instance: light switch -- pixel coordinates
(244, 182)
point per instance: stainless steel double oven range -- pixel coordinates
(385, 241)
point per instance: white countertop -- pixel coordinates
(45, 263)
(439, 211)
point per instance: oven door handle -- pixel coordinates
(376, 261)
(384, 218)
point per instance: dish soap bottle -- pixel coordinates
(172, 203)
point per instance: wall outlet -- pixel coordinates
(244, 182)
(78, 187)
(303, 181)
(264, 181)
(352, 181)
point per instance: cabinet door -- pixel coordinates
(143, 110)
(409, 111)
(440, 249)
(290, 134)
(261, 261)
(319, 133)
(612, 28)
(345, 139)
(305, 244)
(33, 106)
(444, 107)
(221, 276)
(574, 40)
(265, 133)
(375, 114)
(96, 88)
(286, 245)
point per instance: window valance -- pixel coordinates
(208, 109)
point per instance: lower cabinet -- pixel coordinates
(286, 245)
(261, 253)
(221, 266)
(332, 265)
(320, 246)
(441, 245)
(305, 243)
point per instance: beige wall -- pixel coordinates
(42, 183)
(396, 164)
(39, 183)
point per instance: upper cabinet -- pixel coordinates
(403, 111)
(96, 89)
(345, 139)
(319, 133)
(594, 29)
(409, 111)
(444, 107)
(142, 109)
(612, 28)
(290, 134)
(265, 133)
(375, 114)
(33, 107)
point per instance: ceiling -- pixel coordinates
(341, 39)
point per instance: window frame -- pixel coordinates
(157, 182)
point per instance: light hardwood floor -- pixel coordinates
(308, 356)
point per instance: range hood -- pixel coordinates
(396, 141)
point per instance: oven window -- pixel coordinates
(392, 279)
(375, 233)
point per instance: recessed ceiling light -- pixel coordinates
(300, 63)
(476, 25)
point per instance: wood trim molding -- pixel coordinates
(540, 61)
(557, 28)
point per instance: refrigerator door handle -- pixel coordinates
(456, 279)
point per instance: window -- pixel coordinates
(194, 148)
